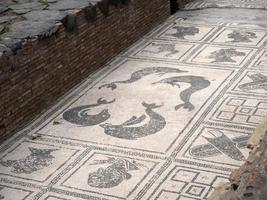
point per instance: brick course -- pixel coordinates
(42, 71)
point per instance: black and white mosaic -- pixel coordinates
(167, 119)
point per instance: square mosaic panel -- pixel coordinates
(183, 183)
(240, 37)
(226, 56)
(173, 51)
(261, 62)
(238, 110)
(252, 83)
(154, 117)
(13, 192)
(217, 145)
(33, 161)
(186, 32)
(109, 175)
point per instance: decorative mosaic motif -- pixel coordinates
(168, 119)
(139, 115)
(79, 116)
(221, 56)
(155, 124)
(113, 176)
(197, 4)
(34, 162)
(240, 37)
(226, 55)
(258, 82)
(182, 31)
(118, 171)
(219, 143)
(196, 83)
(141, 73)
(240, 110)
(38, 159)
(163, 50)
(10, 193)
(261, 62)
(186, 32)
(251, 83)
(188, 183)
(168, 48)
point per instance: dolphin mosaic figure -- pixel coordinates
(78, 115)
(142, 73)
(128, 131)
(197, 83)
(218, 144)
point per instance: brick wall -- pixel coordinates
(42, 71)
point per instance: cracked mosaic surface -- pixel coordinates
(167, 119)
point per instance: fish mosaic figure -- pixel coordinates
(219, 143)
(78, 115)
(259, 81)
(182, 31)
(114, 174)
(242, 36)
(226, 55)
(129, 129)
(163, 48)
(197, 83)
(37, 160)
(142, 73)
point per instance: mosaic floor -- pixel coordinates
(167, 119)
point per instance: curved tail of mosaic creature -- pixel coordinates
(128, 131)
(197, 83)
(78, 115)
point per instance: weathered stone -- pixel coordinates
(69, 22)
(27, 7)
(3, 9)
(3, 48)
(11, 43)
(7, 19)
(90, 13)
(251, 178)
(68, 5)
(1, 28)
(28, 29)
(45, 15)
(51, 1)
(7, 3)
(223, 189)
(258, 134)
